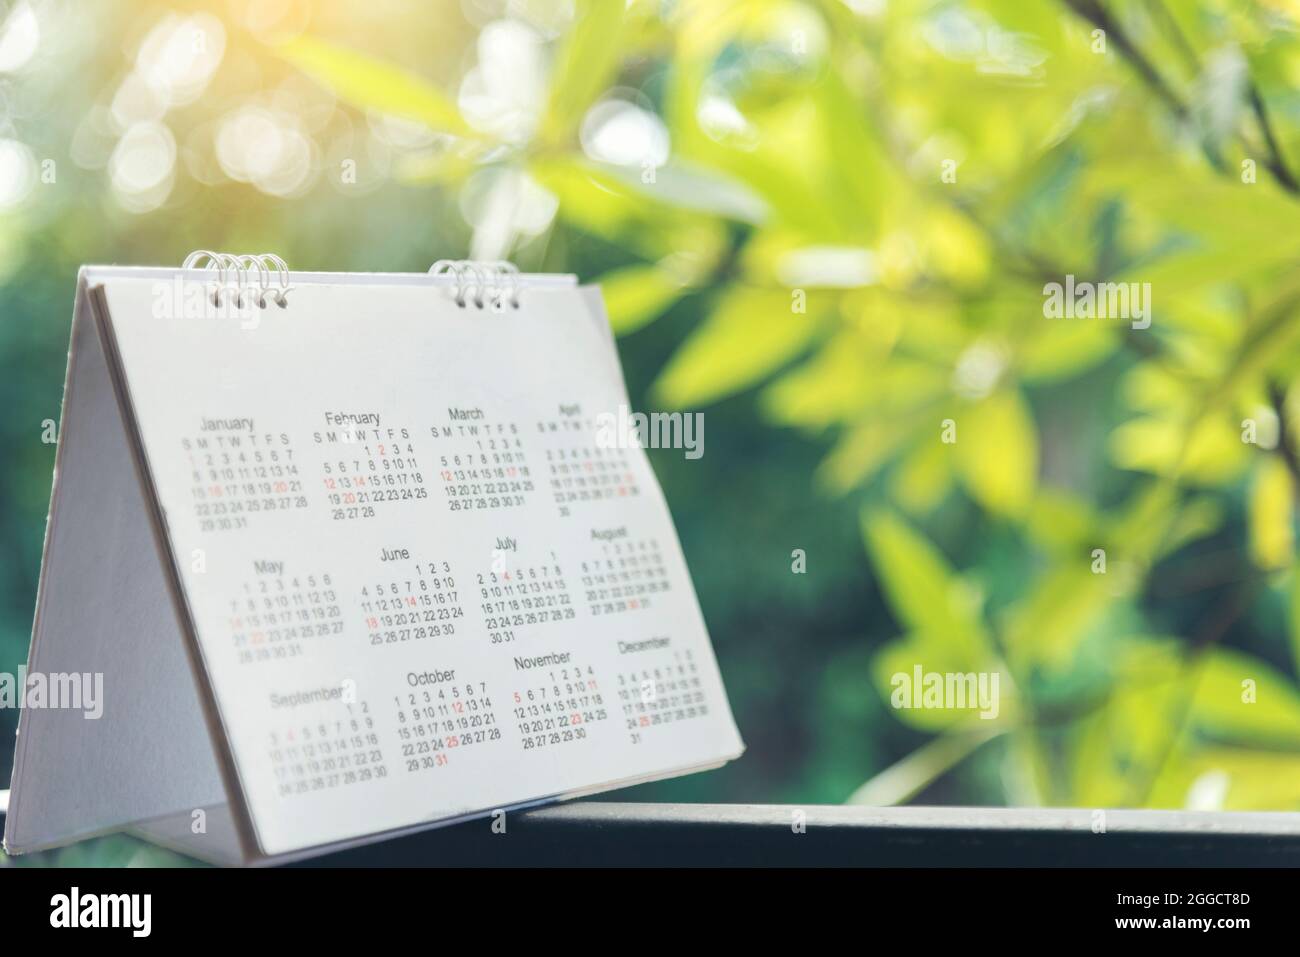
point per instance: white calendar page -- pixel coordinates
(420, 587)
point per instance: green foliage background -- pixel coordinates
(1135, 141)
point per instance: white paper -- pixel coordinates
(420, 587)
(104, 608)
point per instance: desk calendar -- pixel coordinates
(354, 560)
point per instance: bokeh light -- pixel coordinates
(20, 35)
(17, 173)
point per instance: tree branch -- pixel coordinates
(1275, 162)
(1277, 399)
(1097, 15)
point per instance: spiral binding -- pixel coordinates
(261, 275)
(485, 284)
(265, 278)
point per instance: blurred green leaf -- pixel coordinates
(1293, 621)
(597, 201)
(751, 334)
(1044, 628)
(1239, 697)
(1062, 522)
(1231, 779)
(1272, 536)
(636, 295)
(997, 452)
(692, 188)
(922, 589)
(902, 781)
(863, 450)
(1064, 351)
(1120, 748)
(1210, 453)
(588, 59)
(835, 385)
(372, 84)
(924, 478)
